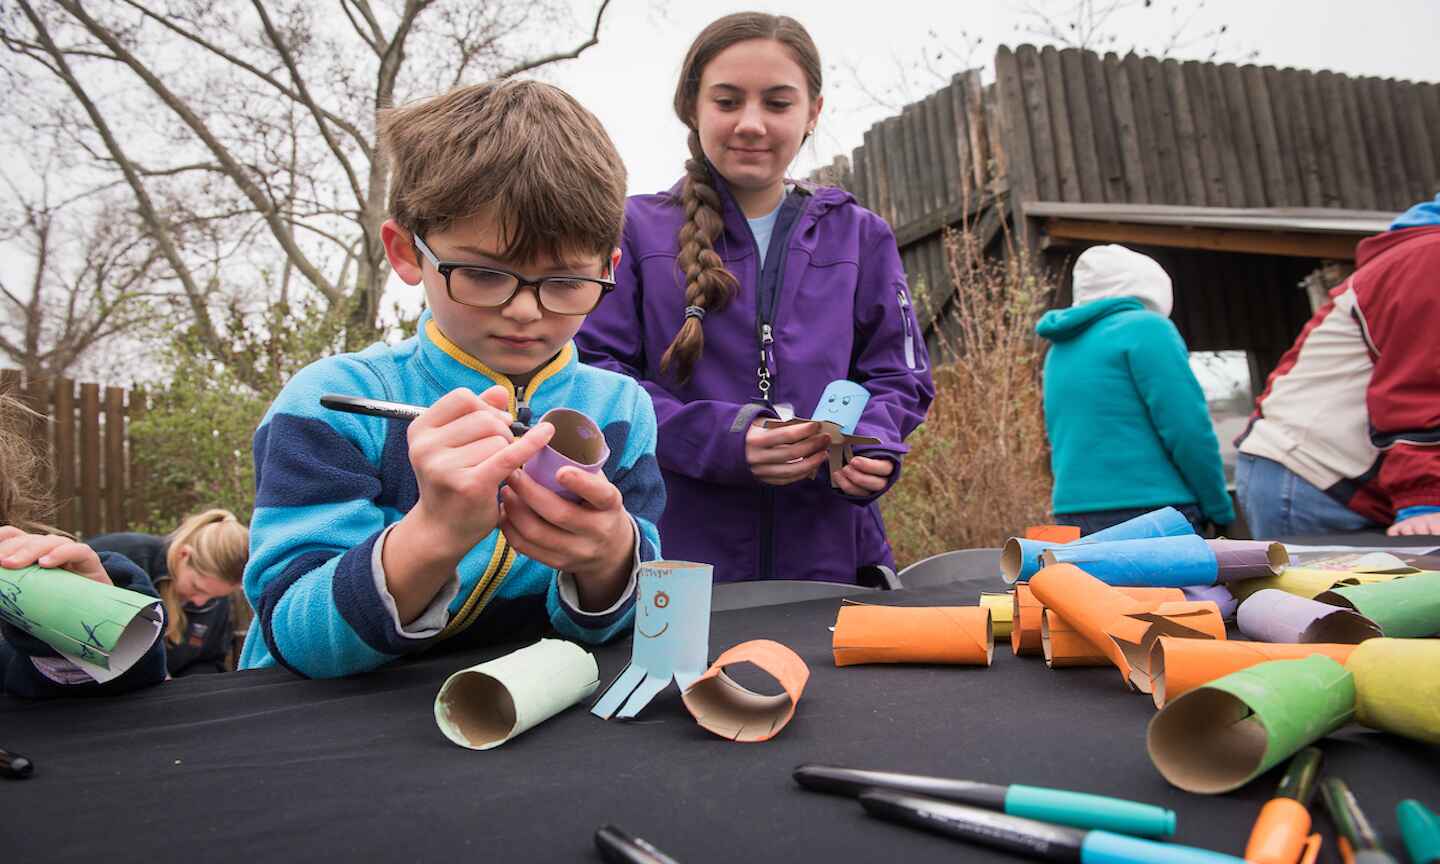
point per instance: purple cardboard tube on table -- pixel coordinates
(1247, 559)
(1273, 615)
(1217, 594)
(578, 442)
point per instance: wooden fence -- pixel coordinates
(98, 488)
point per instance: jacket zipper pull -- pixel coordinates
(763, 371)
(522, 406)
(909, 332)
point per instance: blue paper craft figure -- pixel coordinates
(841, 404)
(672, 636)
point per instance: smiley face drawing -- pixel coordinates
(841, 404)
(672, 636)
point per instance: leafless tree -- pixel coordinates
(244, 134)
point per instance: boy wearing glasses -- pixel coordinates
(373, 538)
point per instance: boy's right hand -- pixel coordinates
(785, 454)
(462, 450)
(18, 550)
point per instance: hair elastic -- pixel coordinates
(696, 312)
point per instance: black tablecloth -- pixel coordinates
(258, 766)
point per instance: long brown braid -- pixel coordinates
(709, 286)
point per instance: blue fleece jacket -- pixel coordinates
(329, 484)
(1127, 420)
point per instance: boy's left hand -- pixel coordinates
(592, 540)
(862, 476)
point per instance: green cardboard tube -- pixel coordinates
(1222, 735)
(1404, 608)
(1421, 829)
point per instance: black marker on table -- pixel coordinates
(1359, 844)
(14, 766)
(391, 410)
(617, 847)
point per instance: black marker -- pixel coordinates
(617, 847)
(1077, 809)
(1359, 844)
(392, 410)
(1031, 837)
(14, 766)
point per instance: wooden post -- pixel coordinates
(139, 512)
(114, 463)
(66, 515)
(90, 460)
(1126, 132)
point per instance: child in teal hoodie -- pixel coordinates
(1127, 421)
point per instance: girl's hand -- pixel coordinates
(862, 476)
(1425, 523)
(785, 454)
(18, 549)
(592, 540)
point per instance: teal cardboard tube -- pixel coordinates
(1020, 559)
(1159, 562)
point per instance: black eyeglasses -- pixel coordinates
(490, 287)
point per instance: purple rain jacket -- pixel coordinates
(832, 303)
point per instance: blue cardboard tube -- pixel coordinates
(1160, 562)
(1020, 558)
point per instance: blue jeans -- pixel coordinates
(1277, 502)
(1099, 520)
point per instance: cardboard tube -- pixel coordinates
(1178, 666)
(914, 634)
(724, 707)
(1403, 608)
(1275, 616)
(1155, 562)
(1053, 533)
(1020, 558)
(1121, 627)
(1248, 559)
(488, 704)
(1397, 686)
(1002, 612)
(1218, 594)
(1300, 581)
(578, 443)
(1025, 624)
(1223, 734)
(1064, 646)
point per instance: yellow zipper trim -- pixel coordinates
(500, 560)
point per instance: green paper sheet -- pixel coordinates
(100, 628)
(1403, 608)
(1222, 735)
(1397, 686)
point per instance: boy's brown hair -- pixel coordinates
(525, 152)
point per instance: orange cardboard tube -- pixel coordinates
(915, 634)
(1053, 533)
(1179, 665)
(1137, 633)
(1065, 646)
(724, 707)
(1025, 622)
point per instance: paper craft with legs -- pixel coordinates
(838, 412)
(672, 636)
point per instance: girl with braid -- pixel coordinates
(740, 295)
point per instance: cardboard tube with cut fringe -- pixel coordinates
(1397, 686)
(486, 705)
(1121, 627)
(913, 634)
(1275, 616)
(1403, 608)
(731, 711)
(1020, 558)
(1178, 666)
(1064, 646)
(1002, 612)
(1223, 734)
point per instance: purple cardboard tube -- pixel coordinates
(1217, 594)
(1248, 559)
(578, 442)
(1272, 615)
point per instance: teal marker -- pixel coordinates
(1421, 829)
(1076, 809)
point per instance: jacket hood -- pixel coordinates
(1108, 271)
(1426, 213)
(1373, 246)
(1061, 325)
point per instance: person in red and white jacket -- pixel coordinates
(1346, 436)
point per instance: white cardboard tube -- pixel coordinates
(490, 703)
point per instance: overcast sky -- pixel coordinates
(629, 78)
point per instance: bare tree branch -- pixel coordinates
(594, 40)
